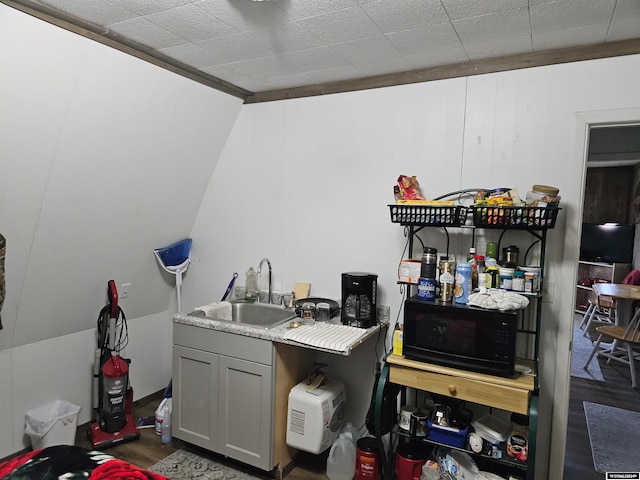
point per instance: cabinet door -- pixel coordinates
(245, 417)
(195, 401)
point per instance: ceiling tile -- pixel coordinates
(559, 15)
(570, 37)
(623, 30)
(425, 39)
(398, 15)
(626, 10)
(500, 48)
(191, 54)
(493, 26)
(243, 15)
(367, 49)
(459, 9)
(304, 9)
(236, 47)
(437, 57)
(346, 72)
(315, 58)
(191, 23)
(265, 66)
(341, 26)
(382, 67)
(289, 81)
(145, 32)
(284, 37)
(99, 13)
(147, 7)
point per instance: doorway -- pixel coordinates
(613, 158)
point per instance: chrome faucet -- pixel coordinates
(265, 259)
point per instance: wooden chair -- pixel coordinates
(621, 349)
(601, 308)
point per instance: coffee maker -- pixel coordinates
(359, 292)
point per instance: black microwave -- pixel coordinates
(460, 336)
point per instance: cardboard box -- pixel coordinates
(409, 271)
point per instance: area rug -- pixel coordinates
(614, 437)
(185, 465)
(582, 347)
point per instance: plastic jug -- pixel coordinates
(349, 428)
(341, 463)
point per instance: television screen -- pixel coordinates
(607, 242)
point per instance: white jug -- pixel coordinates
(341, 463)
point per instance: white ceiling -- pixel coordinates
(283, 44)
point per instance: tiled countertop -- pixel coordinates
(278, 333)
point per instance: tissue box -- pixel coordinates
(409, 271)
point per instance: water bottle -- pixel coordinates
(251, 285)
(341, 463)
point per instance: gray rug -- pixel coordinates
(582, 347)
(614, 437)
(185, 465)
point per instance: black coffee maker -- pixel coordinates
(359, 292)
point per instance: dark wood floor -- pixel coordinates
(149, 450)
(615, 391)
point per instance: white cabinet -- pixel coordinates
(245, 411)
(587, 271)
(225, 387)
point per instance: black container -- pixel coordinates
(359, 293)
(429, 263)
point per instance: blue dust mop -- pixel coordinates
(175, 259)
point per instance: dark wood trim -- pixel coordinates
(513, 62)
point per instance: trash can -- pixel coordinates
(52, 424)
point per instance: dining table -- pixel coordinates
(624, 296)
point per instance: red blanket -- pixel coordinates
(73, 462)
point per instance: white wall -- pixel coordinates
(307, 182)
(103, 158)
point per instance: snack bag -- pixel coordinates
(407, 189)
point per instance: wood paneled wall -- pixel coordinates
(608, 195)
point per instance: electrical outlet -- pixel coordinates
(124, 290)
(548, 291)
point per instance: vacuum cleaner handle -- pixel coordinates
(112, 293)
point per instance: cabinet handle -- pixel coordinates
(452, 389)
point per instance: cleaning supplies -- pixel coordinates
(175, 259)
(251, 291)
(166, 424)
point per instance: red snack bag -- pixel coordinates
(408, 188)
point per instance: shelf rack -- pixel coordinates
(536, 221)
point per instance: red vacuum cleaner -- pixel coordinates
(112, 394)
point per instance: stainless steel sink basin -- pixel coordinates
(260, 314)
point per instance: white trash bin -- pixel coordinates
(52, 424)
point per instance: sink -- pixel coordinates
(262, 315)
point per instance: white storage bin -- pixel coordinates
(52, 424)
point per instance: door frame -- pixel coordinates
(584, 121)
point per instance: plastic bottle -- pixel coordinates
(166, 425)
(251, 285)
(463, 282)
(341, 463)
(351, 430)
(472, 260)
